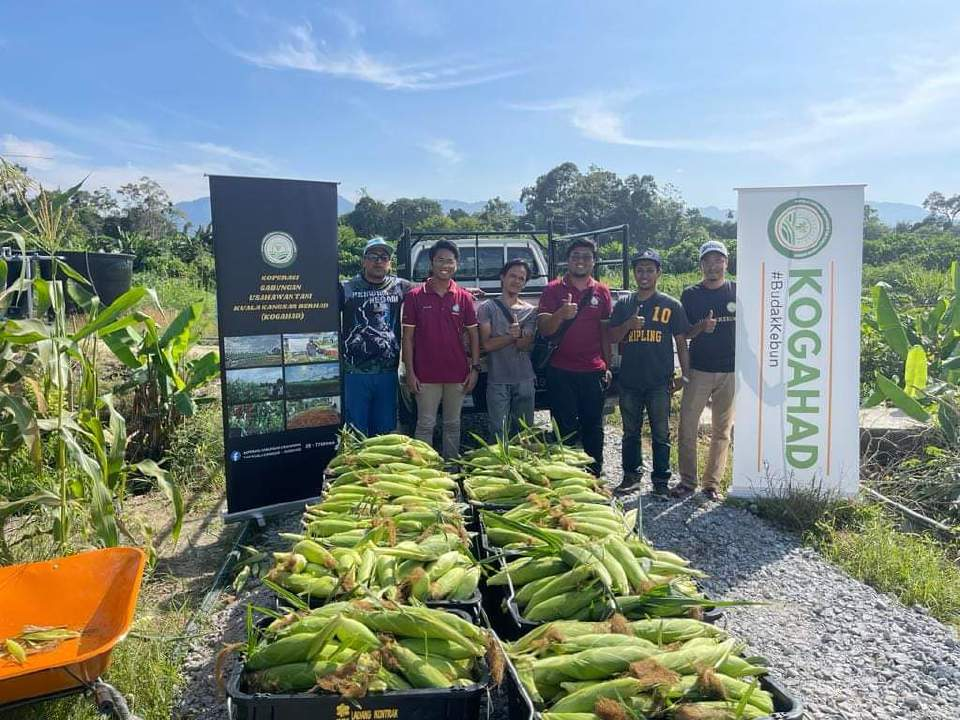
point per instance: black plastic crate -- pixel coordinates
(423, 704)
(786, 705)
(501, 607)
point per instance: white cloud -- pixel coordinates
(443, 149)
(229, 153)
(910, 109)
(38, 154)
(298, 50)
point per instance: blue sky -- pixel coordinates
(472, 100)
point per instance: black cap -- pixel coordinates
(581, 242)
(648, 254)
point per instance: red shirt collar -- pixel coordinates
(428, 286)
(592, 283)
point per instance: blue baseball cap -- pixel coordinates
(648, 254)
(377, 242)
(713, 246)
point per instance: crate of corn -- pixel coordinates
(392, 531)
(561, 579)
(365, 660)
(657, 669)
(504, 475)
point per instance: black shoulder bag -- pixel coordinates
(545, 347)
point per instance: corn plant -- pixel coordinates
(50, 398)
(927, 341)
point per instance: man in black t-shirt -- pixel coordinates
(648, 323)
(711, 307)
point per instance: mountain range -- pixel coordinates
(197, 211)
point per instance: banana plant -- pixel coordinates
(928, 342)
(164, 375)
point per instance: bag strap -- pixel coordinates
(505, 311)
(581, 304)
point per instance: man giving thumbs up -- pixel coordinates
(711, 307)
(578, 306)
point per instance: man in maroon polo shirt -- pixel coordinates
(579, 368)
(435, 317)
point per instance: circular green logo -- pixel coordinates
(278, 249)
(799, 228)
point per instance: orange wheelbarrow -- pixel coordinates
(94, 593)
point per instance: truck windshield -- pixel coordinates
(491, 261)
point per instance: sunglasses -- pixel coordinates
(377, 257)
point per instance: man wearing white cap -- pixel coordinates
(370, 307)
(711, 307)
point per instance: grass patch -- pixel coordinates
(195, 457)
(866, 542)
(145, 669)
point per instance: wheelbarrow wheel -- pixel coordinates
(110, 702)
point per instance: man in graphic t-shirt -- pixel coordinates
(370, 308)
(648, 323)
(711, 307)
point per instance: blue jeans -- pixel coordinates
(370, 402)
(656, 403)
(507, 405)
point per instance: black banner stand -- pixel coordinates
(275, 246)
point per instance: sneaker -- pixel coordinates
(713, 494)
(681, 491)
(661, 490)
(629, 484)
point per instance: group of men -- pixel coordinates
(440, 334)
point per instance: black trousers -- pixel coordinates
(576, 402)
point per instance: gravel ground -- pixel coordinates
(851, 653)
(848, 651)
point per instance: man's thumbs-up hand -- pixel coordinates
(709, 322)
(568, 310)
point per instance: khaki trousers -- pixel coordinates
(428, 400)
(718, 388)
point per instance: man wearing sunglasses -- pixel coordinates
(370, 307)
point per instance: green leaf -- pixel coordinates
(889, 322)
(169, 488)
(952, 363)
(110, 313)
(876, 397)
(202, 370)
(895, 394)
(26, 422)
(955, 275)
(177, 333)
(122, 343)
(915, 371)
(81, 296)
(184, 403)
(118, 432)
(59, 266)
(949, 419)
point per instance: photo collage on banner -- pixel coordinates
(281, 382)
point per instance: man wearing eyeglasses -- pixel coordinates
(579, 369)
(370, 307)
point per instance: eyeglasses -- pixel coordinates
(377, 257)
(581, 256)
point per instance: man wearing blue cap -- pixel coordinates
(649, 324)
(370, 307)
(711, 307)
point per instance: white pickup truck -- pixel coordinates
(482, 256)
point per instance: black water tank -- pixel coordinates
(110, 273)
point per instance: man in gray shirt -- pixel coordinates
(507, 328)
